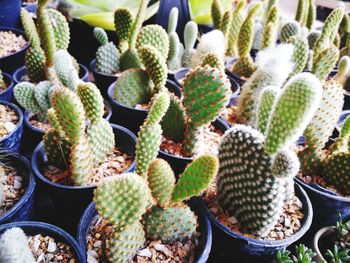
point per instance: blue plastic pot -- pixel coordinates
(103, 81)
(326, 204)
(132, 118)
(178, 164)
(203, 29)
(70, 201)
(32, 228)
(341, 120)
(7, 95)
(10, 12)
(33, 135)
(24, 209)
(12, 142)
(251, 249)
(205, 240)
(20, 74)
(12, 62)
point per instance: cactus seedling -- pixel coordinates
(255, 191)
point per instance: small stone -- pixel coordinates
(17, 184)
(232, 220)
(91, 258)
(145, 253)
(287, 222)
(159, 247)
(36, 244)
(41, 258)
(98, 243)
(10, 127)
(94, 253)
(214, 210)
(18, 178)
(51, 246)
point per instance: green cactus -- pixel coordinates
(30, 28)
(290, 29)
(123, 22)
(60, 29)
(343, 70)
(312, 38)
(150, 134)
(226, 23)
(311, 17)
(213, 60)
(266, 99)
(255, 194)
(190, 37)
(244, 66)
(173, 60)
(270, 30)
(64, 67)
(301, 15)
(14, 247)
(237, 21)
(325, 62)
(155, 36)
(216, 13)
(172, 20)
(300, 53)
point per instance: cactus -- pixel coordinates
(175, 53)
(212, 60)
(270, 30)
(155, 36)
(300, 54)
(190, 36)
(343, 70)
(244, 66)
(226, 23)
(301, 15)
(236, 23)
(172, 20)
(325, 62)
(290, 29)
(312, 38)
(311, 17)
(123, 22)
(255, 194)
(264, 107)
(216, 13)
(14, 247)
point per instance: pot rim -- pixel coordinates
(318, 235)
(20, 118)
(41, 177)
(8, 80)
(17, 32)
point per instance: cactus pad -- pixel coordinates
(92, 101)
(155, 36)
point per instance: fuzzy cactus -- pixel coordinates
(311, 17)
(172, 20)
(289, 29)
(255, 194)
(236, 23)
(175, 47)
(325, 62)
(213, 60)
(264, 107)
(155, 36)
(300, 53)
(244, 66)
(312, 38)
(216, 13)
(190, 37)
(123, 21)
(14, 247)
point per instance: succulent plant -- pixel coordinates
(206, 93)
(244, 66)
(213, 60)
(175, 47)
(190, 37)
(67, 145)
(51, 33)
(270, 28)
(236, 23)
(14, 247)
(300, 54)
(256, 171)
(216, 13)
(289, 29)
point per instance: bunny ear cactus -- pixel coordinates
(216, 13)
(257, 193)
(290, 29)
(312, 38)
(300, 53)
(226, 23)
(271, 27)
(244, 66)
(123, 22)
(213, 60)
(190, 37)
(14, 247)
(311, 17)
(302, 12)
(172, 20)
(343, 70)
(325, 62)
(64, 66)
(173, 60)
(236, 23)
(155, 36)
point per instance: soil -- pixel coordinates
(208, 143)
(3, 88)
(46, 249)
(116, 163)
(10, 43)
(8, 120)
(12, 186)
(288, 224)
(44, 126)
(152, 251)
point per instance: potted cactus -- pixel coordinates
(255, 180)
(11, 128)
(157, 211)
(73, 158)
(187, 123)
(6, 87)
(16, 188)
(31, 242)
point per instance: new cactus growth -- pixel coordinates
(212, 60)
(216, 13)
(190, 37)
(67, 144)
(14, 247)
(244, 66)
(256, 170)
(175, 47)
(206, 92)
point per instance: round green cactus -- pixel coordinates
(337, 171)
(130, 59)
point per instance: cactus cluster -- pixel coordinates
(206, 93)
(49, 34)
(151, 194)
(14, 247)
(69, 144)
(256, 170)
(306, 13)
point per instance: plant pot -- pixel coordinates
(12, 62)
(326, 204)
(257, 250)
(341, 120)
(34, 228)
(70, 201)
(24, 208)
(178, 164)
(33, 135)
(323, 239)
(10, 13)
(205, 240)
(21, 73)
(12, 142)
(132, 118)
(7, 95)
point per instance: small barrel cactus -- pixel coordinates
(14, 247)
(256, 171)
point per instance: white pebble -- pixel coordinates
(9, 126)
(91, 258)
(36, 244)
(98, 243)
(287, 222)
(232, 220)
(159, 247)
(17, 184)
(41, 258)
(145, 253)
(18, 178)
(51, 247)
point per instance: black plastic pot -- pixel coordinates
(7, 95)
(205, 240)
(33, 135)
(20, 74)
(24, 208)
(70, 201)
(178, 164)
(9, 13)
(132, 118)
(327, 204)
(256, 250)
(12, 142)
(32, 228)
(12, 62)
